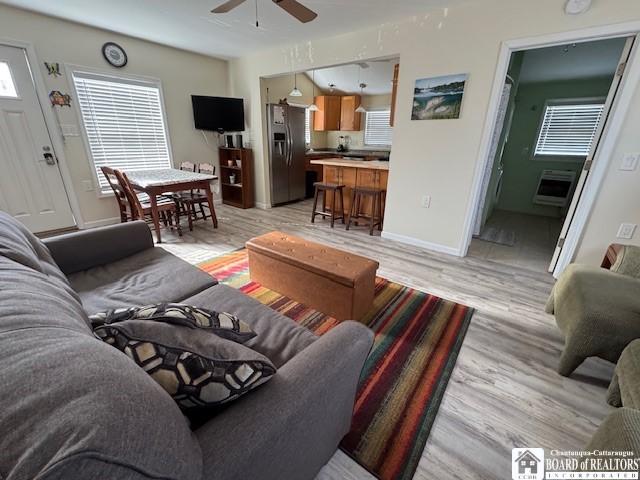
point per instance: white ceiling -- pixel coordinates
(584, 60)
(188, 24)
(377, 76)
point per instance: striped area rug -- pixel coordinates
(417, 340)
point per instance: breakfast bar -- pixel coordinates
(352, 173)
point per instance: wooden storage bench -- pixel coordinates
(334, 282)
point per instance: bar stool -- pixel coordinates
(377, 195)
(333, 188)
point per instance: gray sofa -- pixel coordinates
(73, 407)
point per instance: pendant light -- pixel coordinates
(295, 92)
(313, 107)
(360, 108)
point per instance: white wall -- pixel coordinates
(181, 73)
(438, 158)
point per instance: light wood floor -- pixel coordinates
(504, 391)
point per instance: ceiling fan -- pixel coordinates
(292, 7)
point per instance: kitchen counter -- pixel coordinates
(327, 153)
(352, 174)
(341, 162)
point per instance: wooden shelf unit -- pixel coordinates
(240, 193)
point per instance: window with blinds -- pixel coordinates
(124, 123)
(568, 130)
(307, 126)
(377, 131)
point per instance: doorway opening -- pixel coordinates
(554, 106)
(340, 112)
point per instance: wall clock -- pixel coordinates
(114, 54)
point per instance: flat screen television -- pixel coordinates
(219, 114)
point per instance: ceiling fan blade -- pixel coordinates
(227, 6)
(292, 7)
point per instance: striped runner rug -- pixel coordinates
(417, 340)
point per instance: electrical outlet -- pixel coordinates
(87, 185)
(629, 162)
(626, 230)
(426, 201)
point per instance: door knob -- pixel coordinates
(49, 158)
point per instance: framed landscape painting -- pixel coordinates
(438, 98)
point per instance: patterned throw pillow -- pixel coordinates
(222, 324)
(197, 369)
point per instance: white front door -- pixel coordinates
(31, 187)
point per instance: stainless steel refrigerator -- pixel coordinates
(286, 153)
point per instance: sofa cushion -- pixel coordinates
(71, 404)
(69, 400)
(197, 368)
(278, 337)
(31, 299)
(222, 324)
(151, 276)
(17, 243)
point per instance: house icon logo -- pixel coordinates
(527, 463)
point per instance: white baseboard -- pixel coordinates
(263, 206)
(436, 247)
(99, 223)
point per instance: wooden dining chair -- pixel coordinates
(207, 169)
(189, 199)
(119, 192)
(140, 205)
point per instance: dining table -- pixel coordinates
(168, 180)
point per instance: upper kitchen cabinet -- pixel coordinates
(350, 120)
(337, 112)
(394, 93)
(328, 115)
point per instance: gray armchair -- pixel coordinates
(597, 310)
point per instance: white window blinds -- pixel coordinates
(307, 126)
(568, 130)
(377, 131)
(124, 123)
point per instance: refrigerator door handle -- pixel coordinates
(289, 146)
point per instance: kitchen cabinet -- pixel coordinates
(336, 112)
(394, 93)
(328, 115)
(350, 120)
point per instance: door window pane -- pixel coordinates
(7, 87)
